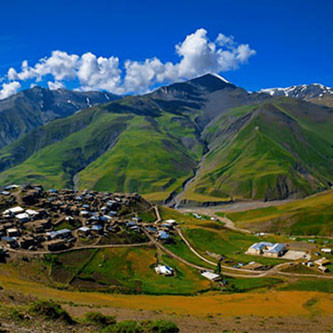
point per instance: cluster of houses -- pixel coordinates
(267, 249)
(56, 220)
(278, 250)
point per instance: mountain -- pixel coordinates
(315, 93)
(204, 140)
(34, 107)
(278, 149)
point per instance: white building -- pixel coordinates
(211, 276)
(31, 212)
(164, 270)
(267, 249)
(170, 222)
(13, 211)
(24, 217)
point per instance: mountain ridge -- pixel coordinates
(316, 93)
(155, 143)
(37, 106)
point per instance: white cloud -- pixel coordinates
(55, 85)
(198, 55)
(9, 89)
(98, 73)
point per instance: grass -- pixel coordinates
(124, 270)
(245, 285)
(67, 225)
(141, 144)
(232, 245)
(310, 216)
(321, 285)
(136, 164)
(207, 235)
(258, 160)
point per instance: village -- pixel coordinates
(52, 221)
(35, 221)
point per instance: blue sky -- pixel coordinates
(292, 41)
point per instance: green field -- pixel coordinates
(232, 245)
(310, 216)
(325, 286)
(207, 235)
(123, 270)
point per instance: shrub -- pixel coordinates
(160, 326)
(51, 310)
(97, 318)
(126, 326)
(17, 315)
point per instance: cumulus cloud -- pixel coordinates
(98, 73)
(9, 89)
(198, 55)
(60, 65)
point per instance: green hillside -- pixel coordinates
(269, 151)
(31, 108)
(310, 216)
(121, 149)
(229, 143)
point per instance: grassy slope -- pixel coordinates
(55, 165)
(125, 270)
(206, 235)
(148, 158)
(310, 216)
(270, 152)
(115, 151)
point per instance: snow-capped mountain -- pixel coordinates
(315, 92)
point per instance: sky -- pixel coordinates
(131, 47)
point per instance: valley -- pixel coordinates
(116, 275)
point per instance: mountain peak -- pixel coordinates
(220, 77)
(211, 82)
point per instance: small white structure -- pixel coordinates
(322, 262)
(13, 211)
(326, 250)
(24, 217)
(11, 187)
(85, 231)
(31, 212)
(164, 270)
(323, 269)
(211, 276)
(170, 222)
(12, 232)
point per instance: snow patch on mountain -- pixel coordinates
(220, 77)
(303, 91)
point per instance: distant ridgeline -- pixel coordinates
(201, 141)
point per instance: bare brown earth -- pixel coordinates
(220, 323)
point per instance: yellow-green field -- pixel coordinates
(309, 216)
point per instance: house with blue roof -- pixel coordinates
(267, 249)
(163, 235)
